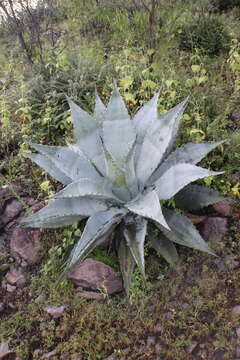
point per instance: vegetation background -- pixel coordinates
(73, 47)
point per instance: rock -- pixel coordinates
(235, 116)
(111, 357)
(223, 207)
(219, 355)
(158, 327)
(236, 310)
(237, 176)
(214, 228)
(11, 211)
(227, 263)
(192, 347)
(4, 350)
(55, 311)
(151, 340)
(92, 274)
(231, 262)
(76, 357)
(3, 80)
(238, 332)
(16, 276)
(49, 354)
(11, 288)
(37, 206)
(158, 348)
(238, 351)
(7, 193)
(26, 244)
(90, 295)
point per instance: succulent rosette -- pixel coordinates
(117, 174)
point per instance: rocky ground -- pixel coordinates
(192, 312)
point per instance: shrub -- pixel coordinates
(223, 5)
(207, 35)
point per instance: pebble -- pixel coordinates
(238, 351)
(55, 311)
(1, 307)
(192, 347)
(151, 340)
(236, 310)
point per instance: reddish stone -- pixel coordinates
(16, 277)
(92, 274)
(214, 228)
(236, 310)
(26, 244)
(11, 211)
(55, 311)
(4, 350)
(90, 295)
(223, 207)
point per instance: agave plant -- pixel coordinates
(117, 174)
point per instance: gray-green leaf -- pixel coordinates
(164, 247)
(135, 234)
(190, 153)
(194, 197)
(49, 166)
(87, 187)
(148, 206)
(178, 176)
(126, 260)
(157, 141)
(98, 227)
(183, 232)
(67, 161)
(67, 207)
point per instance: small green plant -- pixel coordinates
(117, 174)
(206, 35)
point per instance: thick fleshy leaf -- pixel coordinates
(117, 177)
(49, 167)
(68, 161)
(86, 130)
(130, 173)
(194, 197)
(97, 229)
(119, 137)
(135, 234)
(126, 260)
(178, 176)
(118, 130)
(67, 207)
(116, 109)
(53, 222)
(173, 116)
(87, 187)
(183, 232)
(99, 110)
(157, 141)
(163, 246)
(190, 153)
(84, 124)
(145, 117)
(148, 206)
